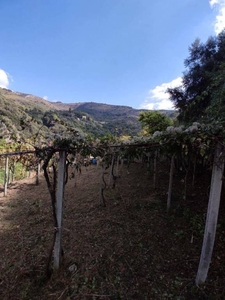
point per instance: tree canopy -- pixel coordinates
(152, 121)
(202, 94)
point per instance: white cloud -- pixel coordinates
(213, 2)
(219, 5)
(158, 98)
(54, 100)
(4, 79)
(45, 97)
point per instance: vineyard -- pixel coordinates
(139, 224)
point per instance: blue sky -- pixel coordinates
(123, 52)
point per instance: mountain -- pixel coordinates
(114, 118)
(25, 115)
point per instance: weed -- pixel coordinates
(26, 291)
(197, 222)
(180, 234)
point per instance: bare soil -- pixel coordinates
(130, 249)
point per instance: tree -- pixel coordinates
(152, 121)
(203, 81)
(216, 109)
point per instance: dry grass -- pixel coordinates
(130, 249)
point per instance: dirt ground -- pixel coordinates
(130, 249)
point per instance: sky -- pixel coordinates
(122, 52)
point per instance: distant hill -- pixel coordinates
(23, 114)
(114, 118)
(122, 119)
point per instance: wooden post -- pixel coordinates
(121, 165)
(28, 173)
(170, 183)
(111, 168)
(59, 208)
(102, 187)
(154, 169)
(38, 169)
(194, 170)
(212, 216)
(117, 165)
(13, 170)
(148, 162)
(9, 176)
(9, 173)
(6, 175)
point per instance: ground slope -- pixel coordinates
(130, 249)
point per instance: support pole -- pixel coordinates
(59, 208)
(154, 169)
(148, 163)
(212, 216)
(6, 175)
(117, 165)
(13, 170)
(121, 165)
(38, 169)
(102, 187)
(111, 168)
(170, 183)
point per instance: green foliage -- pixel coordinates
(201, 96)
(196, 221)
(2, 175)
(216, 109)
(152, 121)
(19, 171)
(24, 116)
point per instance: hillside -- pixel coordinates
(114, 118)
(23, 115)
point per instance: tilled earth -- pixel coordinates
(130, 249)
